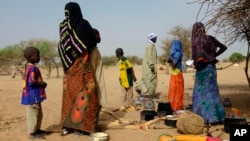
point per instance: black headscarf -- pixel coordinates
(73, 13)
(76, 35)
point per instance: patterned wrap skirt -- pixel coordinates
(80, 106)
(206, 97)
(176, 92)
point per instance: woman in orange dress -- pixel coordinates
(176, 84)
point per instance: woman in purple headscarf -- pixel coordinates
(206, 96)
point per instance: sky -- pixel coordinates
(122, 23)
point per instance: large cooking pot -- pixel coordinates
(229, 121)
(165, 107)
(147, 115)
(171, 122)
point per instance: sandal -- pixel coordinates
(64, 132)
(37, 136)
(78, 133)
(41, 131)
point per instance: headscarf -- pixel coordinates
(71, 45)
(73, 13)
(198, 38)
(203, 46)
(150, 37)
(176, 53)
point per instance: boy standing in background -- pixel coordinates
(126, 79)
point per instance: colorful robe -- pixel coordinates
(31, 93)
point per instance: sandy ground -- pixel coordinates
(232, 83)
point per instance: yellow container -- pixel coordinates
(165, 137)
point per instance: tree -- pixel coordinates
(231, 18)
(135, 60)
(113, 60)
(184, 35)
(109, 60)
(11, 58)
(236, 57)
(49, 54)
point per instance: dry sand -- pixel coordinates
(232, 83)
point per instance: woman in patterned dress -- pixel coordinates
(80, 106)
(206, 96)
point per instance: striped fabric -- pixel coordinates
(70, 46)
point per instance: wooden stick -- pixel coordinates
(147, 124)
(132, 124)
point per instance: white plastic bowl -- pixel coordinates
(99, 136)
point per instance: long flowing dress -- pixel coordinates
(148, 82)
(206, 97)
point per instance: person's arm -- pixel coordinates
(133, 74)
(40, 84)
(130, 68)
(174, 59)
(170, 62)
(221, 47)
